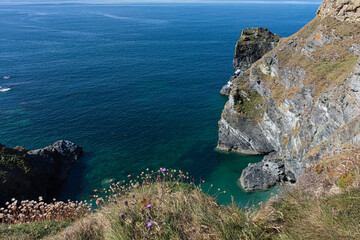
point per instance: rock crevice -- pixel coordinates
(297, 100)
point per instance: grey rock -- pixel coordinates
(261, 175)
(343, 10)
(311, 115)
(225, 90)
(56, 160)
(47, 169)
(252, 45)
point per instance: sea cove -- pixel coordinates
(137, 86)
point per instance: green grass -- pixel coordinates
(15, 171)
(31, 231)
(182, 211)
(346, 179)
(14, 160)
(249, 105)
(308, 217)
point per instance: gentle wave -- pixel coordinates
(141, 20)
(4, 89)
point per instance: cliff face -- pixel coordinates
(29, 174)
(344, 10)
(298, 101)
(252, 45)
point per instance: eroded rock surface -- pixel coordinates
(299, 100)
(345, 10)
(29, 174)
(252, 45)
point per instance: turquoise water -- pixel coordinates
(136, 85)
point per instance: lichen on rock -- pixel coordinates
(252, 45)
(309, 87)
(29, 174)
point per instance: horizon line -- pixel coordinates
(127, 2)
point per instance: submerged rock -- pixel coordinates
(252, 45)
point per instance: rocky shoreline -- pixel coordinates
(30, 174)
(298, 102)
(252, 45)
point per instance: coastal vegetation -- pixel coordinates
(307, 86)
(167, 204)
(249, 104)
(15, 170)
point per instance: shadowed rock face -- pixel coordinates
(299, 101)
(252, 45)
(262, 175)
(29, 174)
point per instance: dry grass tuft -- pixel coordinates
(38, 211)
(90, 228)
(166, 204)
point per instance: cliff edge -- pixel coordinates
(252, 45)
(299, 101)
(28, 174)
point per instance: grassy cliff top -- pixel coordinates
(169, 207)
(323, 50)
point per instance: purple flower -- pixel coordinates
(246, 208)
(149, 224)
(163, 169)
(126, 202)
(121, 214)
(148, 206)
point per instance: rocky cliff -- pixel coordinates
(252, 45)
(300, 100)
(29, 174)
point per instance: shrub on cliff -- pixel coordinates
(168, 205)
(15, 170)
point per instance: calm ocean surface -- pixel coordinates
(136, 86)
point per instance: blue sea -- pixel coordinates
(137, 86)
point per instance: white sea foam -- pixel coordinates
(141, 20)
(4, 89)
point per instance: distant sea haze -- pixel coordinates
(22, 2)
(137, 86)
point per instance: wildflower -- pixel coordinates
(121, 215)
(45, 226)
(126, 202)
(163, 170)
(149, 224)
(246, 208)
(148, 206)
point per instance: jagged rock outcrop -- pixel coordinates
(344, 10)
(298, 101)
(29, 174)
(262, 175)
(252, 45)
